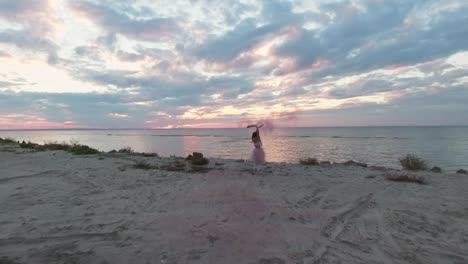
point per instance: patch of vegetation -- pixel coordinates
(74, 148)
(129, 150)
(28, 145)
(143, 154)
(82, 150)
(144, 166)
(404, 177)
(126, 150)
(309, 162)
(55, 146)
(200, 161)
(411, 162)
(7, 140)
(197, 159)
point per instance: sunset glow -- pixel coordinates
(194, 64)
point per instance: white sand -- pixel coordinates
(60, 208)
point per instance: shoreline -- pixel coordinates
(128, 150)
(111, 208)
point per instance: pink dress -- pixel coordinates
(258, 155)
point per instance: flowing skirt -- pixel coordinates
(258, 155)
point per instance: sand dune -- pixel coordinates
(60, 208)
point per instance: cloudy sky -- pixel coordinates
(221, 63)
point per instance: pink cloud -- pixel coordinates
(260, 52)
(31, 121)
(37, 16)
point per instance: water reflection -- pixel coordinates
(191, 144)
(445, 147)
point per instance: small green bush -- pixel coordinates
(82, 150)
(411, 162)
(55, 146)
(309, 162)
(7, 140)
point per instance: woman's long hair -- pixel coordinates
(255, 135)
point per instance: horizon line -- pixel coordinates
(199, 128)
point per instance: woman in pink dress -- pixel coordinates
(258, 155)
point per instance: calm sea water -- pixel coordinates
(446, 147)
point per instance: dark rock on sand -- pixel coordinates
(462, 171)
(436, 169)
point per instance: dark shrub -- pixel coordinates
(7, 141)
(198, 159)
(82, 150)
(143, 166)
(411, 162)
(127, 150)
(28, 145)
(462, 171)
(309, 162)
(436, 169)
(147, 154)
(54, 146)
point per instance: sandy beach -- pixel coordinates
(62, 208)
